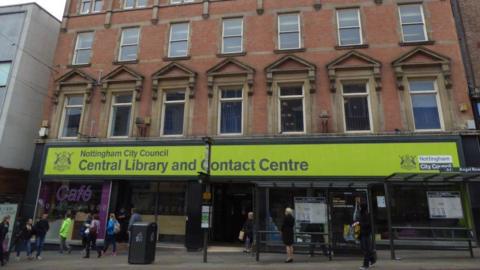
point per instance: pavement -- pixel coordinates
(233, 259)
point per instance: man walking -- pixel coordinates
(4, 226)
(134, 219)
(366, 238)
(64, 233)
(41, 228)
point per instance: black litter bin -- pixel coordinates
(143, 242)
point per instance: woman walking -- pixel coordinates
(287, 233)
(113, 227)
(91, 236)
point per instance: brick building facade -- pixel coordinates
(325, 97)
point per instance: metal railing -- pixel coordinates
(450, 234)
(261, 235)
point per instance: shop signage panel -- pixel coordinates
(360, 159)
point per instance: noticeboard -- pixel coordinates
(445, 205)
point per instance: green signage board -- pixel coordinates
(348, 159)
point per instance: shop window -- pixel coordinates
(413, 23)
(72, 116)
(230, 111)
(349, 27)
(181, 1)
(232, 35)
(425, 104)
(292, 113)
(173, 112)
(356, 106)
(129, 4)
(4, 73)
(289, 31)
(178, 43)
(79, 199)
(129, 44)
(121, 114)
(90, 6)
(83, 48)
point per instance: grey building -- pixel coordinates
(28, 38)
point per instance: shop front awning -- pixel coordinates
(449, 177)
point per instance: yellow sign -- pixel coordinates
(348, 159)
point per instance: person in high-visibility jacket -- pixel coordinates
(64, 233)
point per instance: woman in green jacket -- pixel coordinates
(64, 233)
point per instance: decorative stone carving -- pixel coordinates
(354, 60)
(237, 68)
(72, 78)
(418, 58)
(115, 76)
(167, 73)
(300, 66)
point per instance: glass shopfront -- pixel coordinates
(77, 198)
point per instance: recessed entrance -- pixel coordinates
(231, 204)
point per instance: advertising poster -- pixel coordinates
(10, 210)
(445, 205)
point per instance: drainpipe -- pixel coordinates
(467, 61)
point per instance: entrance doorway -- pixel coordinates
(231, 204)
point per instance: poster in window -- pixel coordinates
(8, 210)
(445, 205)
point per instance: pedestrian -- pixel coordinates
(65, 230)
(91, 233)
(248, 232)
(41, 228)
(122, 218)
(287, 233)
(133, 219)
(113, 227)
(4, 227)
(365, 237)
(23, 241)
(84, 232)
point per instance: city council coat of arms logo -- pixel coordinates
(408, 162)
(63, 161)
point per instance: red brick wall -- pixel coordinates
(470, 10)
(380, 27)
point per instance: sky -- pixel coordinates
(55, 7)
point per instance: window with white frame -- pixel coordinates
(173, 112)
(129, 44)
(129, 4)
(90, 6)
(232, 35)
(178, 43)
(289, 31)
(72, 115)
(121, 115)
(356, 106)
(230, 110)
(425, 104)
(349, 27)
(4, 73)
(292, 112)
(83, 48)
(181, 1)
(412, 20)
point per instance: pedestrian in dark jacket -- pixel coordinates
(366, 237)
(287, 233)
(4, 227)
(136, 217)
(24, 238)
(91, 236)
(248, 231)
(41, 228)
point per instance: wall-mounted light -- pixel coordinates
(43, 132)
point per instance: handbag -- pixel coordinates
(241, 235)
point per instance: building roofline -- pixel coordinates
(32, 3)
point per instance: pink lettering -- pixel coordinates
(84, 193)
